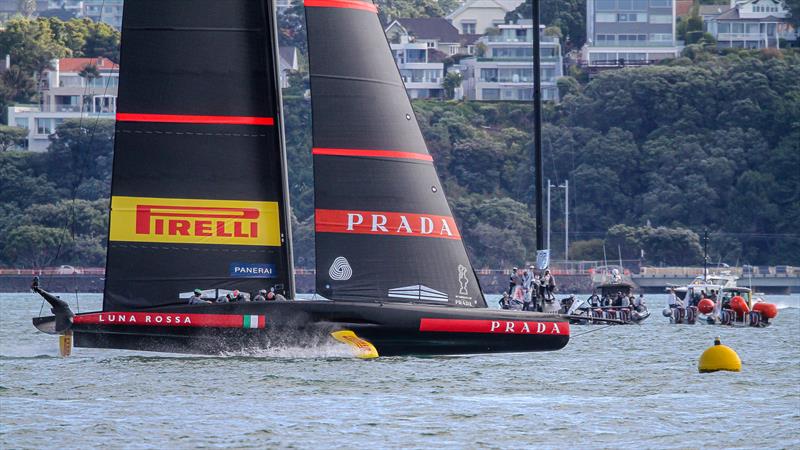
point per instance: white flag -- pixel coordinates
(542, 259)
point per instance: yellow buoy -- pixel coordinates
(364, 348)
(719, 357)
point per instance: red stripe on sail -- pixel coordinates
(350, 4)
(371, 153)
(178, 118)
(494, 326)
(385, 223)
(165, 319)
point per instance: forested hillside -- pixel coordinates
(653, 156)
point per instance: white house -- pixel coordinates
(435, 32)
(420, 67)
(505, 70)
(475, 16)
(748, 23)
(65, 94)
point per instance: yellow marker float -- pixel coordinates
(364, 349)
(719, 357)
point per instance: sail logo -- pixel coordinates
(193, 221)
(462, 280)
(252, 270)
(385, 223)
(418, 292)
(494, 326)
(340, 270)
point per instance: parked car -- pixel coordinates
(67, 270)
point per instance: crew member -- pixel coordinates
(594, 299)
(197, 298)
(272, 295)
(261, 297)
(672, 300)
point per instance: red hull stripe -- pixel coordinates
(147, 319)
(371, 153)
(385, 223)
(494, 326)
(175, 118)
(350, 4)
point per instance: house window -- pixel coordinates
(467, 28)
(661, 37)
(605, 5)
(632, 17)
(489, 75)
(47, 126)
(661, 3)
(608, 39)
(21, 122)
(605, 17)
(490, 94)
(431, 44)
(660, 18)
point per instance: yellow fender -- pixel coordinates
(364, 348)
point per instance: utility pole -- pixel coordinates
(566, 220)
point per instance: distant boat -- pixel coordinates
(200, 198)
(717, 299)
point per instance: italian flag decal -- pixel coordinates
(252, 321)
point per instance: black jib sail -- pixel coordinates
(384, 230)
(198, 192)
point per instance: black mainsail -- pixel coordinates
(198, 190)
(384, 230)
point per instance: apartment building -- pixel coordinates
(107, 11)
(420, 66)
(505, 70)
(66, 94)
(748, 24)
(629, 32)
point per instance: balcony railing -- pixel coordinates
(634, 44)
(742, 37)
(528, 59)
(512, 39)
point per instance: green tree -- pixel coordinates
(35, 246)
(11, 137)
(450, 82)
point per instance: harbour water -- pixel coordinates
(612, 387)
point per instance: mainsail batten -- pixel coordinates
(384, 230)
(197, 193)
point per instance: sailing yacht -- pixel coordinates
(200, 199)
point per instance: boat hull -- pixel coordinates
(394, 329)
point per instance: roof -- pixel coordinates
(77, 64)
(288, 54)
(683, 7)
(507, 5)
(713, 10)
(431, 28)
(733, 14)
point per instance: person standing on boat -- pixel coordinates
(672, 300)
(527, 287)
(511, 281)
(594, 299)
(197, 298)
(549, 284)
(638, 303)
(504, 301)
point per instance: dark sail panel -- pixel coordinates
(198, 197)
(384, 230)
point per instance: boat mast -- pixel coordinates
(537, 125)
